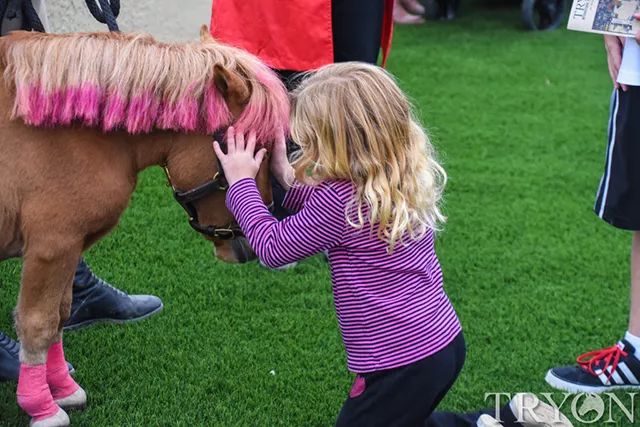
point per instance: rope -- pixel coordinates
(106, 12)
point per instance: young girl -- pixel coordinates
(366, 188)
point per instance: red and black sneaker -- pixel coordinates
(598, 371)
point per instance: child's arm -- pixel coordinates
(297, 196)
(316, 227)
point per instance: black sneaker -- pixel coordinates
(599, 371)
(95, 300)
(10, 359)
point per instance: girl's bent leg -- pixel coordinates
(403, 396)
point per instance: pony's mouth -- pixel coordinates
(242, 250)
(236, 251)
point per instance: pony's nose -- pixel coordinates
(242, 250)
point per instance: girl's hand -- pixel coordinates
(280, 166)
(240, 161)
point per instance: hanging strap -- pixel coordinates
(105, 11)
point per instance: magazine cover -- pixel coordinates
(605, 17)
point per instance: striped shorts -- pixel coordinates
(618, 198)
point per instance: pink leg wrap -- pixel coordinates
(34, 396)
(58, 378)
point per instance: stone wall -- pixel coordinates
(166, 19)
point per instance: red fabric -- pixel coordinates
(286, 34)
(387, 31)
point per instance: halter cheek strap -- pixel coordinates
(186, 199)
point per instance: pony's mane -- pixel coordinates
(131, 82)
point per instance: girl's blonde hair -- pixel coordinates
(353, 122)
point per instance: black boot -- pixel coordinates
(94, 300)
(10, 359)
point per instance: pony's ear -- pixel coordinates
(205, 35)
(234, 89)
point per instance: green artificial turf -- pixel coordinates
(519, 119)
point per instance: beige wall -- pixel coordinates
(166, 19)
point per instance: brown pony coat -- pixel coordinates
(63, 188)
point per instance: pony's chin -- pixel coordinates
(235, 251)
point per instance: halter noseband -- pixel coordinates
(187, 198)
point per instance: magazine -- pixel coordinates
(613, 17)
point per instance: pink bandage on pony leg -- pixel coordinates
(34, 396)
(58, 378)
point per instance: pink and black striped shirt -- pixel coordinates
(392, 308)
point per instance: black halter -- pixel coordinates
(187, 198)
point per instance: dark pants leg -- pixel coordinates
(408, 396)
(357, 29)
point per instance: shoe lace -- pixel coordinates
(87, 276)
(11, 345)
(605, 358)
(116, 290)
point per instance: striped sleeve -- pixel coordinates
(297, 195)
(318, 226)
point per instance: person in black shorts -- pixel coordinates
(618, 203)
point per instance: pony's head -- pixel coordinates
(135, 84)
(200, 187)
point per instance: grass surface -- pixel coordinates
(519, 119)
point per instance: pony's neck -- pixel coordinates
(188, 157)
(151, 149)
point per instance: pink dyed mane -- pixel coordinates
(132, 82)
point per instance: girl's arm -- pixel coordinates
(317, 226)
(297, 196)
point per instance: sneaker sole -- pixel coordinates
(544, 415)
(570, 387)
(92, 322)
(487, 421)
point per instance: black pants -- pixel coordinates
(408, 396)
(357, 29)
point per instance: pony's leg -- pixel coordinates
(47, 271)
(65, 391)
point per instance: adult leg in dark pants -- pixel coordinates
(357, 30)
